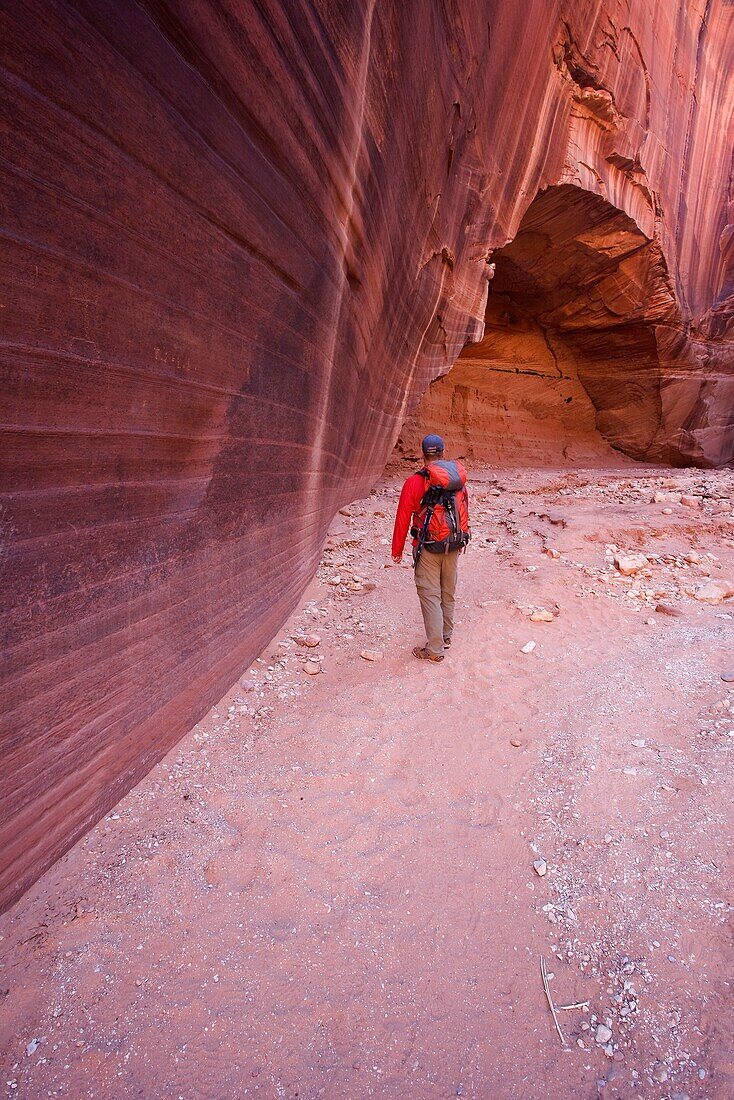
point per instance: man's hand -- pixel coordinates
(397, 558)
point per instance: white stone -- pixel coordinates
(627, 564)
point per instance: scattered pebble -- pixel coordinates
(528, 647)
(541, 616)
(540, 867)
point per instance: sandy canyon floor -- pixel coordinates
(327, 888)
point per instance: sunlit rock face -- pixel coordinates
(239, 242)
(612, 310)
(585, 347)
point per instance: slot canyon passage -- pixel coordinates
(248, 844)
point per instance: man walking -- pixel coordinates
(434, 504)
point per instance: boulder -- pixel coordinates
(629, 564)
(714, 591)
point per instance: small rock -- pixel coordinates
(693, 558)
(639, 742)
(603, 1034)
(628, 564)
(541, 616)
(552, 552)
(311, 640)
(311, 668)
(728, 677)
(540, 867)
(528, 647)
(690, 502)
(32, 1046)
(370, 655)
(668, 609)
(714, 591)
(667, 511)
(515, 742)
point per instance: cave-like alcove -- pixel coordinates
(568, 369)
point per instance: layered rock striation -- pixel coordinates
(239, 242)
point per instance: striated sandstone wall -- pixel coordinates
(238, 242)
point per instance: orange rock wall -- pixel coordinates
(239, 242)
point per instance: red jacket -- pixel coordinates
(409, 503)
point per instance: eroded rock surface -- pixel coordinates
(239, 243)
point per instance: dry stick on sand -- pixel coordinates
(546, 987)
(579, 1004)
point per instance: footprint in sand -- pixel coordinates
(483, 811)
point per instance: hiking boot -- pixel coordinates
(423, 655)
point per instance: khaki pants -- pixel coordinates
(435, 579)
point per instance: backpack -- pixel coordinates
(443, 517)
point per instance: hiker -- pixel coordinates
(434, 504)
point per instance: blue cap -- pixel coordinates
(432, 445)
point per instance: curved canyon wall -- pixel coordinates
(239, 241)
